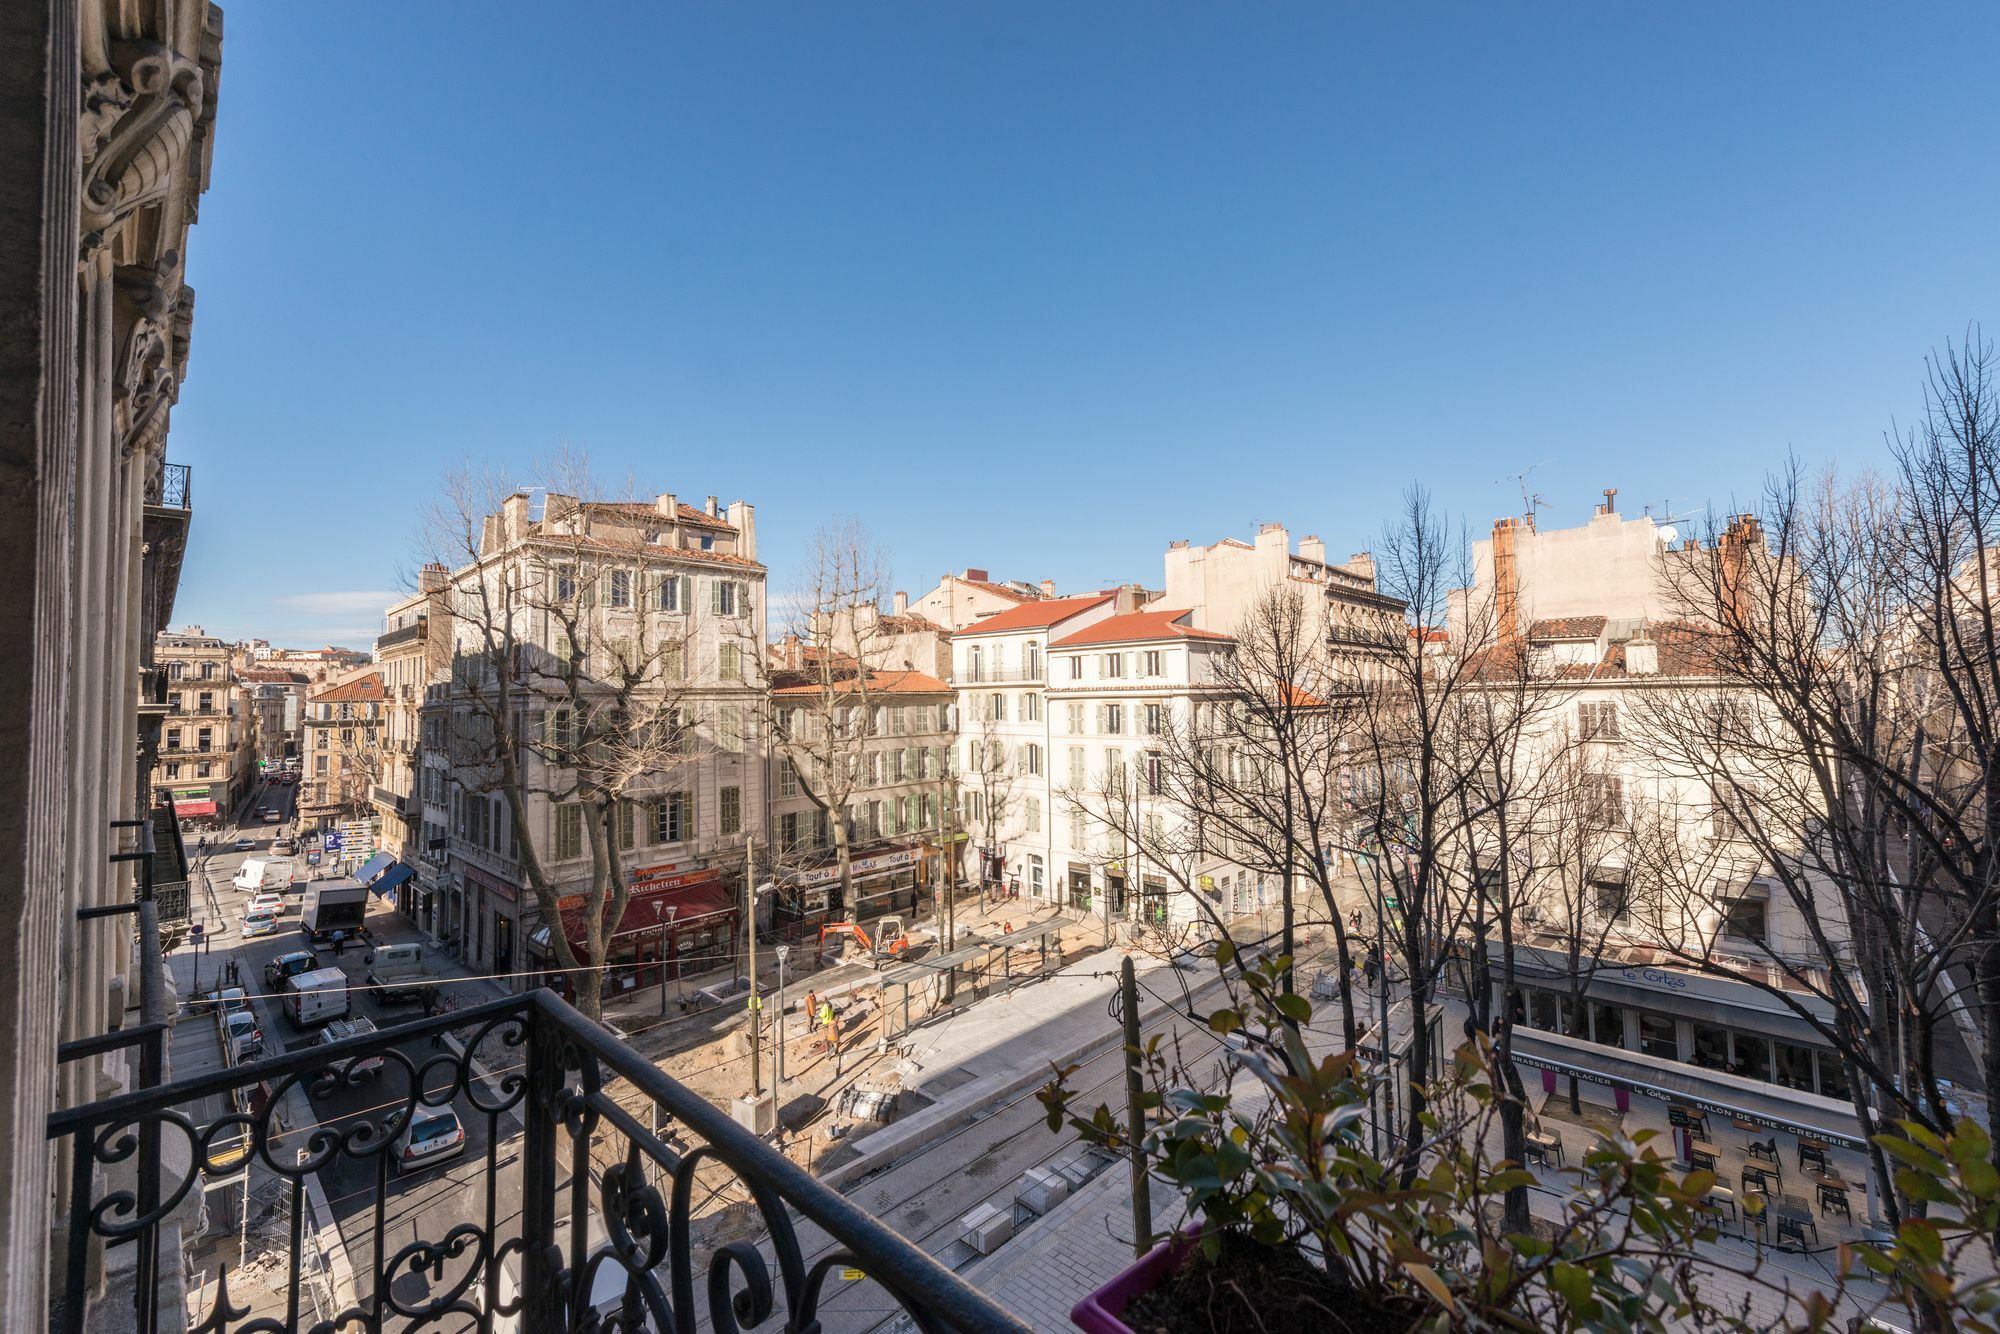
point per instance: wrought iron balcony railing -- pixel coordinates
(176, 487)
(581, 1158)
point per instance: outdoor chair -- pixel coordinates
(1721, 1199)
(1833, 1200)
(1812, 1155)
(1797, 1229)
(1765, 1149)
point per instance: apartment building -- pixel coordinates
(341, 739)
(896, 731)
(1220, 583)
(1006, 788)
(412, 653)
(1112, 685)
(274, 698)
(964, 599)
(206, 759)
(676, 585)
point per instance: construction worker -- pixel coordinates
(812, 1008)
(827, 1021)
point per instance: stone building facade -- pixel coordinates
(206, 759)
(106, 149)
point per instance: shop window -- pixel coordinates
(1792, 1066)
(1753, 1057)
(1607, 1024)
(1658, 1037)
(1832, 1076)
(1542, 1011)
(1711, 1047)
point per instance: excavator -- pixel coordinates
(890, 940)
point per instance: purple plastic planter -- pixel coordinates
(1102, 1311)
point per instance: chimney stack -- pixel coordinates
(1642, 657)
(669, 505)
(1506, 583)
(1311, 548)
(1606, 507)
(1048, 588)
(901, 602)
(714, 509)
(431, 579)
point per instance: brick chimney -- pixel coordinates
(1732, 555)
(975, 576)
(431, 579)
(1506, 583)
(1048, 588)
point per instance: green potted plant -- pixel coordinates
(1295, 1225)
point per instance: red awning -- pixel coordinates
(706, 898)
(188, 809)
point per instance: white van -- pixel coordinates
(315, 997)
(264, 873)
(396, 972)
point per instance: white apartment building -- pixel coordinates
(657, 573)
(1221, 582)
(1000, 669)
(963, 600)
(1112, 685)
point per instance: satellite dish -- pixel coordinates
(1670, 535)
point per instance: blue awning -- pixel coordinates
(373, 867)
(390, 881)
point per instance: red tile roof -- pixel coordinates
(685, 513)
(1138, 627)
(1038, 615)
(364, 687)
(879, 683)
(1567, 627)
(640, 550)
(911, 623)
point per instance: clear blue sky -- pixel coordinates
(1042, 287)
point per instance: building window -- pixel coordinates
(173, 771)
(668, 596)
(1153, 663)
(1031, 707)
(997, 707)
(1078, 833)
(975, 664)
(1744, 919)
(1075, 719)
(618, 590)
(1604, 799)
(724, 599)
(1114, 772)
(1076, 668)
(1658, 1036)
(1031, 758)
(673, 818)
(565, 583)
(729, 729)
(1032, 815)
(1111, 719)
(622, 820)
(1607, 888)
(1031, 661)
(1076, 767)
(729, 659)
(319, 763)
(201, 769)
(1155, 774)
(569, 831)
(1598, 721)
(788, 831)
(788, 779)
(731, 807)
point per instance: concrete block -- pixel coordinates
(1041, 1189)
(987, 1228)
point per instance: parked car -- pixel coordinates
(259, 922)
(266, 899)
(244, 844)
(241, 1038)
(363, 1067)
(431, 1135)
(231, 999)
(289, 965)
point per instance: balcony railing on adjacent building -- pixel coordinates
(582, 1156)
(407, 634)
(176, 487)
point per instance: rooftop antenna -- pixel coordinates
(1530, 500)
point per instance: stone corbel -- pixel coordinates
(137, 125)
(147, 381)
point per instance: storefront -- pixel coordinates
(195, 812)
(883, 881)
(678, 919)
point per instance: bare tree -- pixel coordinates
(824, 719)
(574, 646)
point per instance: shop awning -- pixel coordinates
(186, 810)
(373, 867)
(691, 903)
(391, 880)
(1711, 1090)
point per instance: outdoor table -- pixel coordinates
(1542, 1144)
(1811, 1154)
(1794, 1216)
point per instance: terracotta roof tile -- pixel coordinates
(355, 689)
(1138, 627)
(879, 683)
(685, 513)
(1037, 615)
(1567, 627)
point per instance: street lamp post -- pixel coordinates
(778, 1021)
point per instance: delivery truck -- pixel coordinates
(397, 973)
(333, 905)
(311, 999)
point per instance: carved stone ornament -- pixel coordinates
(137, 124)
(147, 377)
